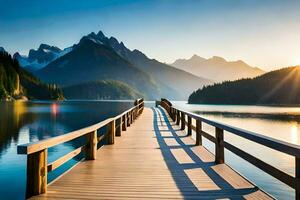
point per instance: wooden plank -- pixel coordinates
(257, 195)
(181, 156)
(171, 142)
(201, 180)
(230, 176)
(57, 163)
(203, 154)
(140, 166)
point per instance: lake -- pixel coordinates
(277, 122)
(23, 122)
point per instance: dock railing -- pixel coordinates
(37, 158)
(179, 116)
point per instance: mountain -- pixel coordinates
(164, 75)
(91, 61)
(16, 83)
(217, 68)
(2, 49)
(108, 89)
(97, 57)
(39, 58)
(276, 87)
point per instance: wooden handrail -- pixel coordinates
(37, 152)
(178, 115)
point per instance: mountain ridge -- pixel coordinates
(160, 76)
(163, 73)
(39, 58)
(217, 68)
(90, 61)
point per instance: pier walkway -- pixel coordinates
(154, 159)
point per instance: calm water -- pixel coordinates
(277, 122)
(23, 122)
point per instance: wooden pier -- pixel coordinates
(154, 158)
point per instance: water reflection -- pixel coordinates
(23, 122)
(54, 109)
(13, 117)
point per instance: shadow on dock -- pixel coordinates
(214, 186)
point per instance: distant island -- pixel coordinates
(277, 87)
(16, 83)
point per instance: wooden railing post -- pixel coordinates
(198, 132)
(173, 115)
(124, 124)
(297, 177)
(189, 126)
(178, 117)
(136, 112)
(182, 121)
(36, 173)
(111, 132)
(131, 116)
(91, 147)
(219, 147)
(119, 128)
(128, 119)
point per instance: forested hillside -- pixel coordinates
(276, 87)
(16, 83)
(102, 90)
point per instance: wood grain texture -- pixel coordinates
(36, 173)
(141, 165)
(52, 166)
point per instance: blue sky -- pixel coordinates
(262, 33)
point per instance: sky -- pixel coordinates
(264, 34)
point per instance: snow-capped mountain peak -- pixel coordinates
(41, 57)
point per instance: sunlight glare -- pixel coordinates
(294, 133)
(54, 109)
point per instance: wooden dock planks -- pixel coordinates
(153, 160)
